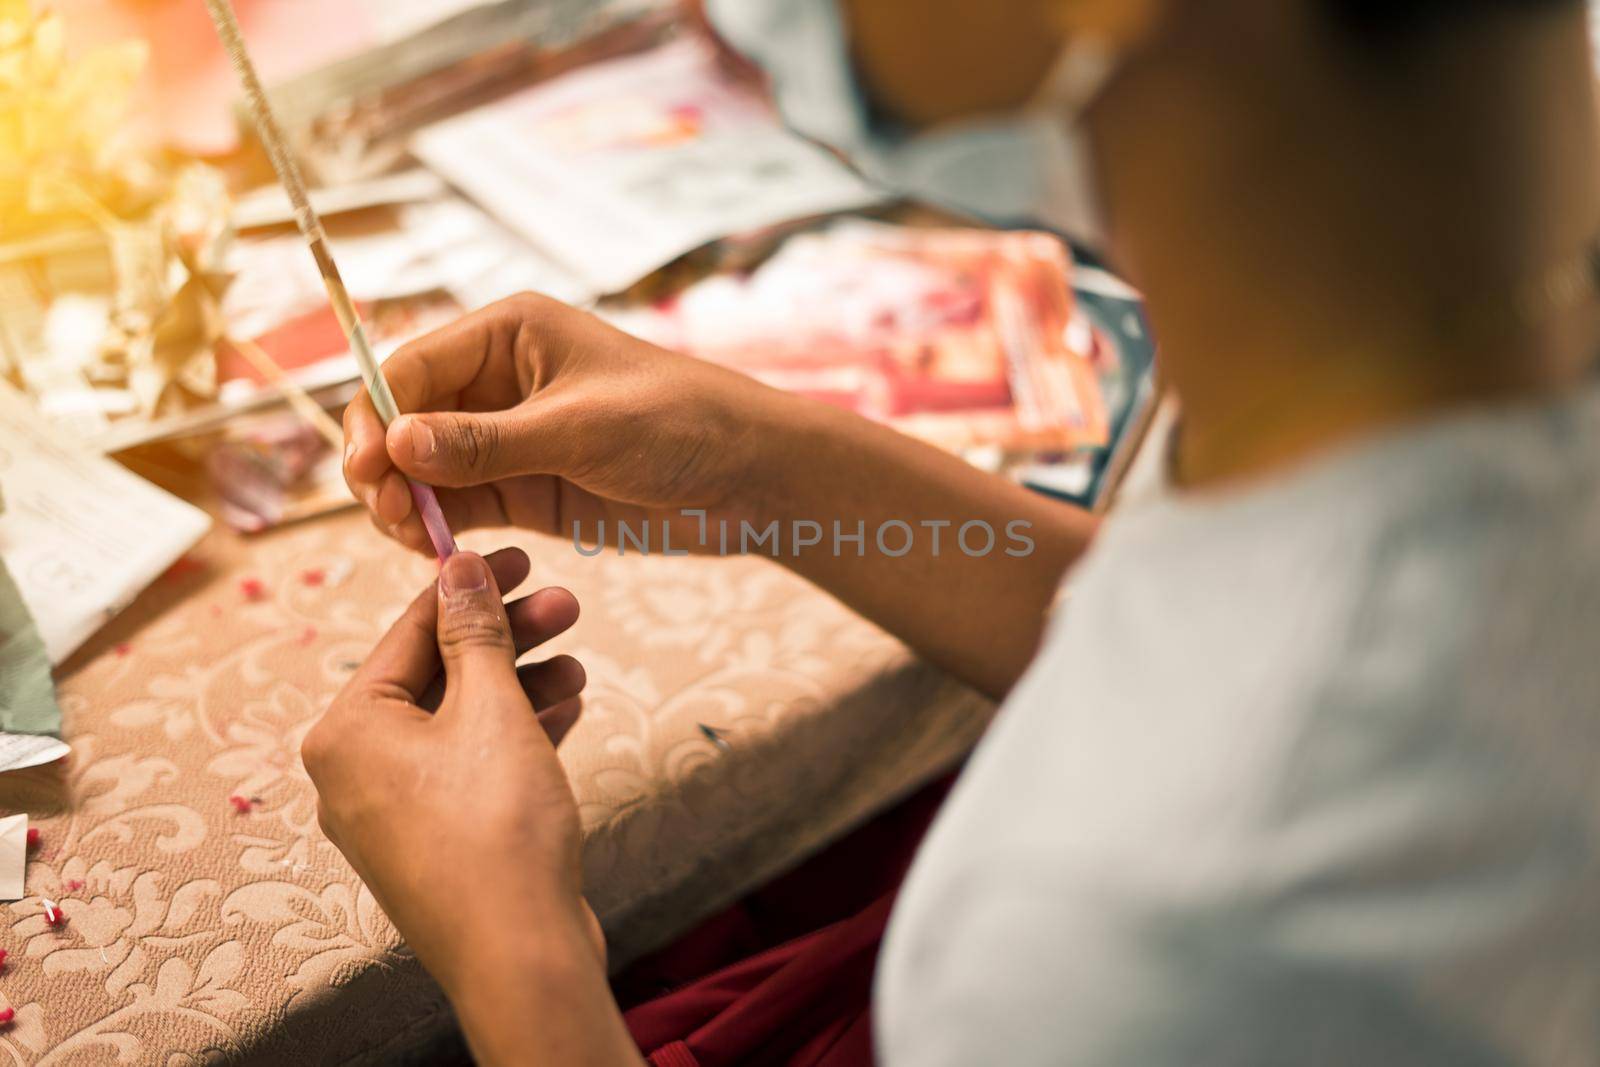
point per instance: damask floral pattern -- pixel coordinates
(198, 934)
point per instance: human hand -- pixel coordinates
(460, 819)
(530, 413)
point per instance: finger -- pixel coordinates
(475, 642)
(472, 508)
(392, 501)
(407, 657)
(550, 683)
(535, 619)
(454, 448)
(434, 369)
(459, 365)
(365, 457)
(561, 718)
(541, 615)
(410, 533)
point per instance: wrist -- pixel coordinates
(787, 441)
(523, 936)
(533, 988)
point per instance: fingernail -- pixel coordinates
(421, 441)
(349, 452)
(464, 572)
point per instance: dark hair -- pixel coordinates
(1388, 18)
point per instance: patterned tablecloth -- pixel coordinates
(196, 933)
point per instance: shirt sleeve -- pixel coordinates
(1113, 985)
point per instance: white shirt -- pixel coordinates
(1306, 773)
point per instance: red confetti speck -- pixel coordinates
(122, 648)
(53, 914)
(253, 588)
(241, 805)
(315, 576)
(308, 635)
(216, 611)
(34, 837)
(6, 1015)
(3, 954)
(73, 885)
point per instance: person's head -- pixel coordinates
(1405, 130)
(1367, 91)
(1304, 188)
(1307, 190)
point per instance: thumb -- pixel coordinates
(455, 449)
(475, 640)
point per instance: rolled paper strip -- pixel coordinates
(310, 225)
(444, 544)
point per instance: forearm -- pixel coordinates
(533, 991)
(976, 604)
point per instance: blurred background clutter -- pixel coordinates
(161, 312)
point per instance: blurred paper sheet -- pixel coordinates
(18, 752)
(393, 19)
(13, 855)
(269, 204)
(444, 244)
(621, 167)
(80, 534)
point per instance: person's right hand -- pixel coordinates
(530, 413)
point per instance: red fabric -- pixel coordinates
(784, 976)
(676, 1054)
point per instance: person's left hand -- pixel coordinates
(443, 790)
